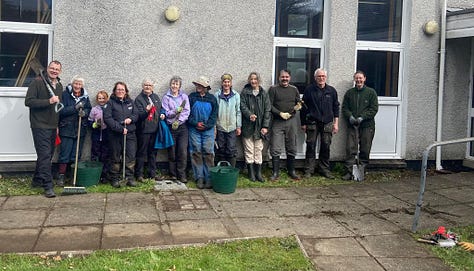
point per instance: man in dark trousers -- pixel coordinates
(319, 117)
(359, 107)
(44, 123)
(285, 100)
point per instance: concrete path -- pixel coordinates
(342, 227)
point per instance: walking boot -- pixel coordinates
(62, 168)
(258, 172)
(290, 165)
(251, 172)
(326, 173)
(310, 164)
(276, 168)
(61, 178)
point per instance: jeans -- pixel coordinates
(201, 148)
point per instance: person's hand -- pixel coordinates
(253, 117)
(285, 115)
(53, 100)
(79, 105)
(264, 131)
(359, 120)
(238, 131)
(81, 113)
(148, 107)
(125, 131)
(298, 106)
(303, 127)
(200, 126)
(352, 120)
(127, 121)
(162, 116)
(179, 109)
(335, 129)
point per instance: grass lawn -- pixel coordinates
(456, 257)
(258, 254)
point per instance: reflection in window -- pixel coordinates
(381, 69)
(26, 11)
(16, 50)
(300, 62)
(379, 20)
(299, 18)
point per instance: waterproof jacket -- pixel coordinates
(320, 104)
(42, 113)
(260, 106)
(203, 109)
(148, 122)
(116, 111)
(229, 117)
(69, 116)
(361, 103)
(170, 105)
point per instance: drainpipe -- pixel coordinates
(442, 57)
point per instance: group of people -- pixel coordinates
(127, 132)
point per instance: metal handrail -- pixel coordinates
(424, 163)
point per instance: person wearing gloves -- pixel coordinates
(148, 106)
(285, 99)
(255, 107)
(201, 123)
(100, 134)
(120, 116)
(359, 107)
(175, 104)
(76, 105)
(229, 121)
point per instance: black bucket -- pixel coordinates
(88, 173)
(224, 178)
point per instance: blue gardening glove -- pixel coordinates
(359, 120)
(353, 120)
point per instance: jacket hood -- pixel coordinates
(84, 93)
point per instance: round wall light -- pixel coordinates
(430, 27)
(172, 13)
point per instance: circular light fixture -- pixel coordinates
(430, 27)
(172, 13)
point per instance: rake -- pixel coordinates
(72, 190)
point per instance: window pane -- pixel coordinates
(14, 50)
(380, 20)
(27, 11)
(299, 18)
(300, 62)
(381, 69)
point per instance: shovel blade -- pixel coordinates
(358, 172)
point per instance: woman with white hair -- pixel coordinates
(76, 105)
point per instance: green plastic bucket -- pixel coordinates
(224, 178)
(88, 173)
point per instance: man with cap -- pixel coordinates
(229, 120)
(202, 121)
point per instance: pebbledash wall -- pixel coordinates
(107, 41)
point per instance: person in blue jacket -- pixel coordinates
(202, 122)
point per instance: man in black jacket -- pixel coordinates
(44, 123)
(319, 117)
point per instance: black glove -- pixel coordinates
(79, 105)
(353, 120)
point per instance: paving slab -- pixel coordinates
(413, 264)
(132, 235)
(264, 227)
(345, 246)
(317, 226)
(319, 192)
(383, 203)
(276, 193)
(440, 181)
(461, 214)
(357, 190)
(339, 263)
(393, 246)
(334, 206)
(18, 219)
(461, 194)
(190, 215)
(18, 240)
(93, 200)
(69, 238)
(239, 194)
(461, 178)
(130, 208)
(367, 224)
(192, 231)
(249, 208)
(28, 202)
(430, 198)
(75, 216)
(296, 207)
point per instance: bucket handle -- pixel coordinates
(223, 162)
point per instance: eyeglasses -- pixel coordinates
(120, 89)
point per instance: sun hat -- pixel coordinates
(203, 81)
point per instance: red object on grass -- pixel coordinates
(57, 141)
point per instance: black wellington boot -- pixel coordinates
(276, 168)
(290, 165)
(251, 172)
(258, 172)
